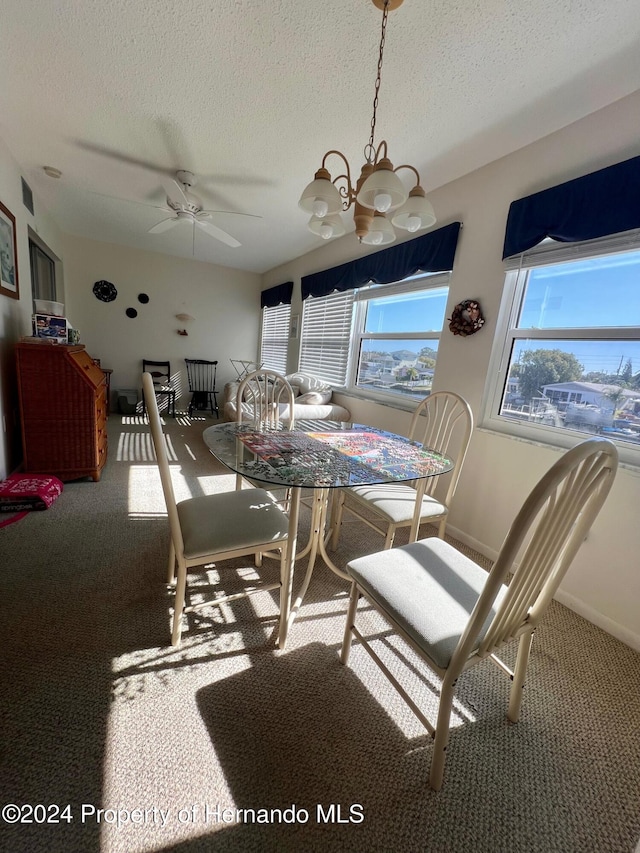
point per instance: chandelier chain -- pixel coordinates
(369, 150)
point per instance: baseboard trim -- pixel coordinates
(589, 613)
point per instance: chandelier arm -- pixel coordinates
(342, 157)
(347, 193)
(413, 169)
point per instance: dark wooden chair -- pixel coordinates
(161, 376)
(201, 375)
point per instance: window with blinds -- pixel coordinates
(274, 340)
(326, 336)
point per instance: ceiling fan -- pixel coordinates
(185, 205)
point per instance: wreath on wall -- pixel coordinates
(466, 318)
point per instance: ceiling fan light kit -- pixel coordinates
(188, 206)
(378, 191)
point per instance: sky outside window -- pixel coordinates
(407, 312)
(595, 293)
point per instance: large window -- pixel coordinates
(274, 340)
(381, 340)
(570, 362)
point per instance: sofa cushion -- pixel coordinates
(306, 383)
(315, 398)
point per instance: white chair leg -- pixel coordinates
(441, 740)
(351, 621)
(442, 527)
(238, 482)
(391, 535)
(171, 572)
(178, 604)
(519, 677)
(258, 559)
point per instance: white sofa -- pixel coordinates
(313, 400)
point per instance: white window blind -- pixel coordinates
(274, 340)
(326, 336)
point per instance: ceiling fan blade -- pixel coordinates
(231, 213)
(132, 201)
(234, 180)
(218, 233)
(174, 190)
(163, 225)
(124, 158)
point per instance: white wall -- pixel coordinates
(15, 314)
(604, 582)
(224, 302)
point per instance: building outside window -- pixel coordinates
(569, 361)
(380, 340)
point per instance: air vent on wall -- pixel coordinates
(27, 196)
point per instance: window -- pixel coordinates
(43, 273)
(381, 340)
(274, 340)
(570, 362)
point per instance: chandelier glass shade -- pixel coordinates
(378, 191)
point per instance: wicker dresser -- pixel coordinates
(63, 409)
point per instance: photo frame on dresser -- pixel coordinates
(8, 254)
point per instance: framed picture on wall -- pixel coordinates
(8, 254)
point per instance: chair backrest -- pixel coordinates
(160, 371)
(160, 448)
(201, 374)
(266, 391)
(540, 546)
(443, 421)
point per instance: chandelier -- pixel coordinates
(380, 199)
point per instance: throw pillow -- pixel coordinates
(28, 491)
(315, 398)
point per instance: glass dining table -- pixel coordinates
(321, 456)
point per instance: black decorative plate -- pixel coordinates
(104, 291)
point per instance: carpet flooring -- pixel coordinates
(228, 744)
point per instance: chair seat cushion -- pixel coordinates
(228, 521)
(429, 589)
(396, 502)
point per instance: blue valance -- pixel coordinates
(278, 295)
(596, 205)
(433, 252)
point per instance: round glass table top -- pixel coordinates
(322, 454)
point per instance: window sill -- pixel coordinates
(386, 401)
(626, 456)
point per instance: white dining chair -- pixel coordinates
(214, 528)
(454, 614)
(441, 421)
(265, 399)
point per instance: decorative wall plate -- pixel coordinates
(466, 318)
(143, 298)
(131, 312)
(104, 291)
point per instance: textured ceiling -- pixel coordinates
(249, 95)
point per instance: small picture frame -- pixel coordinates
(8, 254)
(295, 326)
